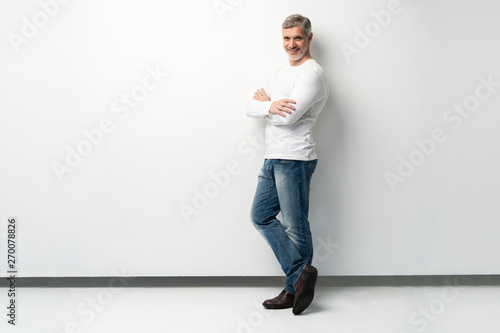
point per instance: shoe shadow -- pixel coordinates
(314, 308)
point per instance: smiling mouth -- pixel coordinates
(293, 50)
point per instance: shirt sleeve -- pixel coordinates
(257, 109)
(309, 89)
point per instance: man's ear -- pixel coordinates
(310, 37)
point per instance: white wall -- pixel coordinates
(118, 210)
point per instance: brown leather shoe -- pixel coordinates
(283, 301)
(304, 289)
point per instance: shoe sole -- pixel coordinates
(278, 307)
(307, 295)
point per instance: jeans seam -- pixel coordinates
(299, 208)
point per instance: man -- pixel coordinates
(290, 100)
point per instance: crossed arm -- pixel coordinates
(308, 90)
(280, 107)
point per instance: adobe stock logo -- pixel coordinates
(372, 29)
(31, 27)
(255, 319)
(455, 116)
(223, 6)
(426, 315)
(221, 179)
(93, 307)
(95, 137)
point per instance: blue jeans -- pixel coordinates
(283, 185)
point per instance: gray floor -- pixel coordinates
(345, 305)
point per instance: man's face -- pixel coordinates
(295, 43)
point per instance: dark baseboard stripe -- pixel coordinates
(239, 281)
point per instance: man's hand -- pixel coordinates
(260, 95)
(280, 107)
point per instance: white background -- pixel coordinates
(119, 210)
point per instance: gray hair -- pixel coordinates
(298, 20)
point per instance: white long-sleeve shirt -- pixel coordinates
(290, 137)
